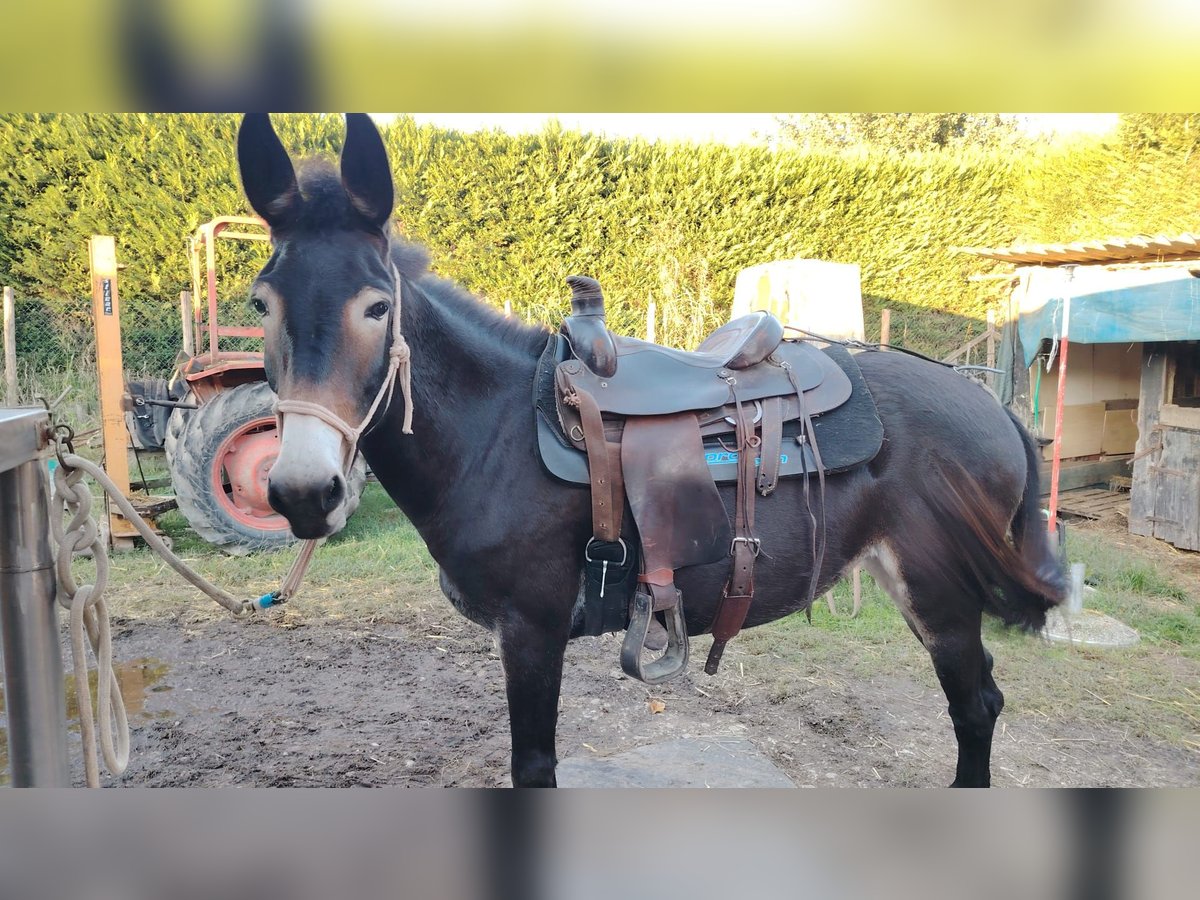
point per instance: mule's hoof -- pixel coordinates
(656, 636)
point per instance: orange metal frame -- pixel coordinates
(204, 284)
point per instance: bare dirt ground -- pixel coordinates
(293, 701)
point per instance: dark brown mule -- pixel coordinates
(945, 517)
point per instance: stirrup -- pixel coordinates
(675, 657)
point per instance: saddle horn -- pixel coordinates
(586, 297)
(585, 327)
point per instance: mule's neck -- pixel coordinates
(472, 383)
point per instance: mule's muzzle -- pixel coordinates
(313, 507)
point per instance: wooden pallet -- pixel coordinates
(1093, 503)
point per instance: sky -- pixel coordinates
(728, 128)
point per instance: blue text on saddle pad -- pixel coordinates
(723, 457)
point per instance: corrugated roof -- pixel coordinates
(1142, 248)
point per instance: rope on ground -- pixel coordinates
(89, 612)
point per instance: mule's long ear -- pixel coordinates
(366, 172)
(267, 174)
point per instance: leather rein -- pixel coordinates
(399, 367)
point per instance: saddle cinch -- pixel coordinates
(656, 429)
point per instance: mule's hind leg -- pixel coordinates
(948, 625)
(992, 697)
(959, 660)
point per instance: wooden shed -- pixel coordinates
(1109, 330)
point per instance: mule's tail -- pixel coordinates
(1020, 580)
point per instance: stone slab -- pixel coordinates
(1089, 627)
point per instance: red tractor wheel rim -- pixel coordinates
(239, 475)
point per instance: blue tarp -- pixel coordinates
(1159, 311)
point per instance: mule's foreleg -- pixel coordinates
(532, 655)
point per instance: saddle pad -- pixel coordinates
(849, 435)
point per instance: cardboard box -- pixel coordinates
(1082, 432)
(1120, 428)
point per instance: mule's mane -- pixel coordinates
(412, 261)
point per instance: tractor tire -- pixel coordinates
(223, 494)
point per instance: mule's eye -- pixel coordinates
(378, 310)
(257, 304)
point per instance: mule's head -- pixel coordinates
(327, 298)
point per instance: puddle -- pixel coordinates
(137, 678)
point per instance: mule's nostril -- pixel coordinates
(334, 492)
(275, 498)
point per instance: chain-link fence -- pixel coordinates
(934, 333)
(56, 351)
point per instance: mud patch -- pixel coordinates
(286, 702)
(137, 679)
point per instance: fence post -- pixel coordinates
(885, 327)
(33, 674)
(10, 347)
(651, 321)
(507, 307)
(991, 340)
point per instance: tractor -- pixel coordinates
(214, 417)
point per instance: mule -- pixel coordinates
(945, 517)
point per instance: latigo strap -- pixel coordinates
(739, 592)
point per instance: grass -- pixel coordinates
(77, 387)
(377, 570)
(1161, 601)
(369, 571)
(1149, 690)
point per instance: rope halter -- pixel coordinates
(399, 366)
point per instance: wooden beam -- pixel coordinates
(1073, 476)
(1149, 442)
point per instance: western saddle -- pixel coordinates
(641, 412)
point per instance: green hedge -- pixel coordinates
(511, 216)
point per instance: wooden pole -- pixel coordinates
(106, 316)
(885, 327)
(10, 348)
(508, 307)
(651, 320)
